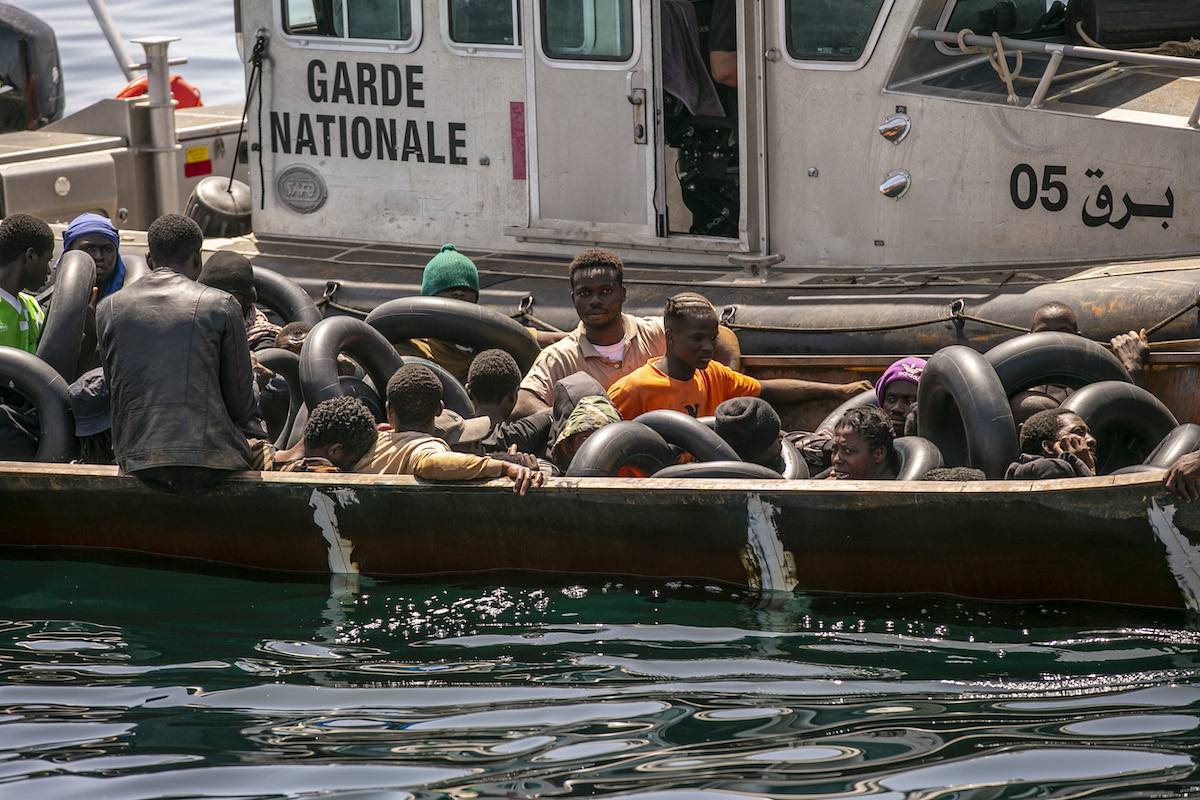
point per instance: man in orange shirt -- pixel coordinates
(688, 379)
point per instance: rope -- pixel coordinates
(260, 48)
(1156, 328)
(956, 316)
(325, 302)
(256, 58)
(525, 316)
(998, 58)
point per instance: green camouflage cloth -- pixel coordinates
(589, 414)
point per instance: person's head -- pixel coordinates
(957, 474)
(88, 397)
(597, 287)
(26, 245)
(896, 390)
(1025, 404)
(414, 398)
(1058, 317)
(589, 415)
(691, 324)
(291, 336)
(751, 427)
(493, 380)
(1044, 429)
(341, 431)
(452, 275)
(98, 237)
(231, 272)
(862, 445)
(175, 241)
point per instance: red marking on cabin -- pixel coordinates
(516, 125)
(195, 170)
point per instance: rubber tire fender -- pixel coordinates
(41, 385)
(319, 378)
(687, 432)
(1062, 359)
(287, 364)
(454, 394)
(795, 468)
(285, 297)
(1113, 408)
(617, 444)
(1178, 443)
(962, 408)
(62, 337)
(455, 321)
(917, 456)
(740, 470)
(860, 400)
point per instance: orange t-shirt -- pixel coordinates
(648, 388)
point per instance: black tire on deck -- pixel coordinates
(62, 337)
(1127, 421)
(285, 297)
(917, 456)
(617, 445)
(1061, 359)
(45, 389)
(687, 432)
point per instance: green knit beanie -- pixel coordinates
(449, 269)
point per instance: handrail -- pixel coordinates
(1057, 51)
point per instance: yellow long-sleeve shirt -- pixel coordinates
(427, 457)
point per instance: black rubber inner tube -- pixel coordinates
(739, 470)
(1178, 443)
(287, 364)
(687, 432)
(455, 321)
(1127, 421)
(963, 409)
(454, 394)
(62, 337)
(617, 445)
(795, 468)
(319, 379)
(1060, 359)
(45, 389)
(135, 267)
(285, 297)
(864, 398)
(917, 456)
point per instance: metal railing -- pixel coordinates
(1057, 52)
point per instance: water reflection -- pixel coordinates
(136, 683)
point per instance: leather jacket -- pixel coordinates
(179, 375)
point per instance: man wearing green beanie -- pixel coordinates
(452, 275)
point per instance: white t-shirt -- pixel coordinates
(611, 352)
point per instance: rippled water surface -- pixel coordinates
(138, 683)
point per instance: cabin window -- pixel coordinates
(485, 22)
(829, 30)
(1019, 19)
(388, 20)
(588, 30)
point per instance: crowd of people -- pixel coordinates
(171, 390)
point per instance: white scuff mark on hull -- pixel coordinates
(1183, 557)
(325, 515)
(764, 549)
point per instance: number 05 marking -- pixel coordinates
(1023, 187)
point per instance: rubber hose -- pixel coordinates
(687, 432)
(617, 445)
(287, 364)
(454, 394)
(740, 470)
(319, 378)
(962, 408)
(1178, 443)
(62, 337)
(455, 321)
(1127, 421)
(285, 297)
(795, 468)
(45, 389)
(864, 398)
(1060, 359)
(917, 455)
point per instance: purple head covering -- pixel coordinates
(906, 369)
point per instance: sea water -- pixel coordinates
(124, 682)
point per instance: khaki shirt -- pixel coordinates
(644, 339)
(428, 457)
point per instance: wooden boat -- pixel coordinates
(1112, 539)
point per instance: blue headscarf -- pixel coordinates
(94, 223)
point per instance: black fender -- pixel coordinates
(1178, 443)
(455, 321)
(287, 364)
(1127, 421)
(740, 470)
(319, 379)
(917, 456)
(285, 297)
(963, 409)
(1062, 359)
(864, 398)
(687, 432)
(62, 337)
(45, 389)
(616, 445)
(454, 394)
(795, 468)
